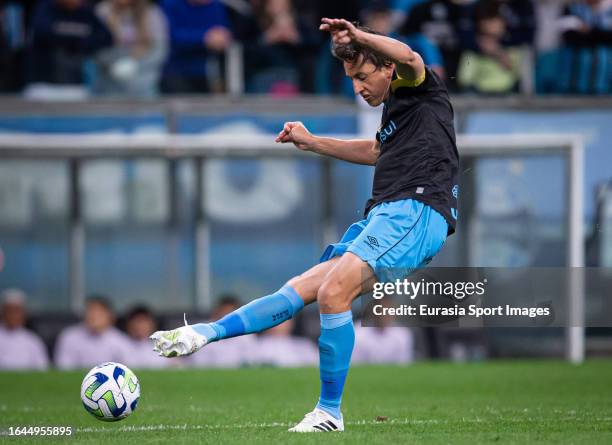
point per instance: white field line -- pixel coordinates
(186, 427)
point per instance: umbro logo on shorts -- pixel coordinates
(372, 242)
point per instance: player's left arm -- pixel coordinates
(409, 64)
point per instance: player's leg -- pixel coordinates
(256, 316)
(398, 237)
(350, 278)
(259, 314)
(270, 310)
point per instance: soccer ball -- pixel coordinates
(110, 392)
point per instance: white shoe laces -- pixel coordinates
(313, 416)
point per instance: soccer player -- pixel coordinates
(412, 210)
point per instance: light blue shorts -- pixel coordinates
(395, 238)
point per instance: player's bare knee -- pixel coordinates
(332, 298)
(294, 282)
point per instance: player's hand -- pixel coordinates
(342, 31)
(296, 133)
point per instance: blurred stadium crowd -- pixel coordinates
(139, 48)
(101, 337)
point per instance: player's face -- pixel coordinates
(369, 82)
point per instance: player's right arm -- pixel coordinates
(358, 151)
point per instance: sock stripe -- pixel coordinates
(333, 321)
(294, 298)
(243, 318)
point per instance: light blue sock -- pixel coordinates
(256, 316)
(335, 348)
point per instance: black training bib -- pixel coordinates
(418, 152)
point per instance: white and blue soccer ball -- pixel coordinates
(110, 392)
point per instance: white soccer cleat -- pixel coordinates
(178, 342)
(318, 421)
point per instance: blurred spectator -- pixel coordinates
(230, 353)
(21, 348)
(346, 9)
(198, 28)
(547, 31)
(13, 22)
(381, 342)
(329, 72)
(401, 9)
(445, 24)
(378, 16)
(586, 62)
(494, 68)
(133, 65)
(93, 341)
(64, 34)
(519, 16)
(139, 325)
(277, 347)
(279, 48)
(7, 65)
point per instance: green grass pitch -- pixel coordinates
(520, 402)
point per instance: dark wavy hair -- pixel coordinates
(351, 52)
